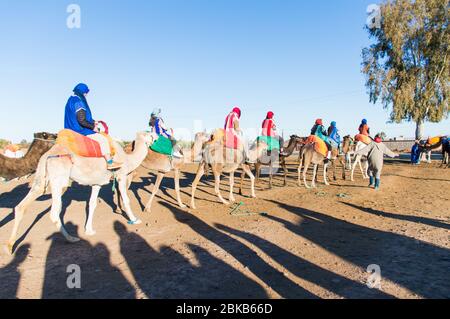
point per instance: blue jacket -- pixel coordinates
(160, 130)
(74, 104)
(335, 136)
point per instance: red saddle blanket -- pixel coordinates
(79, 144)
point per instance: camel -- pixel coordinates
(309, 155)
(58, 167)
(163, 164)
(223, 160)
(427, 149)
(269, 159)
(11, 168)
(342, 158)
(364, 171)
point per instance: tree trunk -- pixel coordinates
(419, 130)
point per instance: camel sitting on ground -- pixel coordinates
(224, 160)
(11, 168)
(163, 164)
(58, 167)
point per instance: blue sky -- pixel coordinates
(195, 59)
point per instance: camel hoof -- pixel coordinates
(182, 206)
(226, 203)
(148, 210)
(136, 222)
(10, 249)
(90, 233)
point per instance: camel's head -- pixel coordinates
(45, 136)
(145, 137)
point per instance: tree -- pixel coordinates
(407, 66)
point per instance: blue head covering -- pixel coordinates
(333, 124)
(364, 122)
(81, 89)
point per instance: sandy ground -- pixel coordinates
(311, 244)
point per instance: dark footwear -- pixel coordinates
(372, 181)
(377, 184)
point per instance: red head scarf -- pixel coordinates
(319, 122)
(237, 111)
(378, 139)
(270, 115)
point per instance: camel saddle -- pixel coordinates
(82, 145)
(228, 138)
(363, 139)
(319, 145)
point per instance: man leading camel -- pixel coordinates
(78, 118)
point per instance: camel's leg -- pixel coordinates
(305, 170)
(366, 169)
(270, 176)
(284, 165)
(334, 169)
(19, 212)
(217, 186)
(325, 170)
(241, 187)
(357, 159)
(126, 202)
(200, 172)
(57, 192)
(342, 162)
(159, 178)
(89, 230)
(258, 171)
(231, 198)
(313, 185)
(177, 188)
(248, 171)
(300, 171)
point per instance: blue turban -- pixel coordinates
(364, 122)
(333, 124)
(81, 89)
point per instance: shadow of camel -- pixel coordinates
(167, 274)
(98, 277)
(10, 274)
(414, 219)
(415, 265)
(274, 278)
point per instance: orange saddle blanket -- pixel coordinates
(228, 138)
(434, 140)
(363, 138)
(319, 145)
(79, 144)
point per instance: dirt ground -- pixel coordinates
(309, 244)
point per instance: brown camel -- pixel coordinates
(309, 155)
(11, 168)
(347, 148)
(223, 160)
(164, 164)
(269, 159)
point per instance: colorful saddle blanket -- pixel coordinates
(319, 145)
(434, 140)
(162, 145)
(363, 139)
(272, 143)
(82, 145)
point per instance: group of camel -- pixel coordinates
(57, 168)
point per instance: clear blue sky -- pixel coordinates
(194, 58)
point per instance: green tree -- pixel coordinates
(407, 65)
